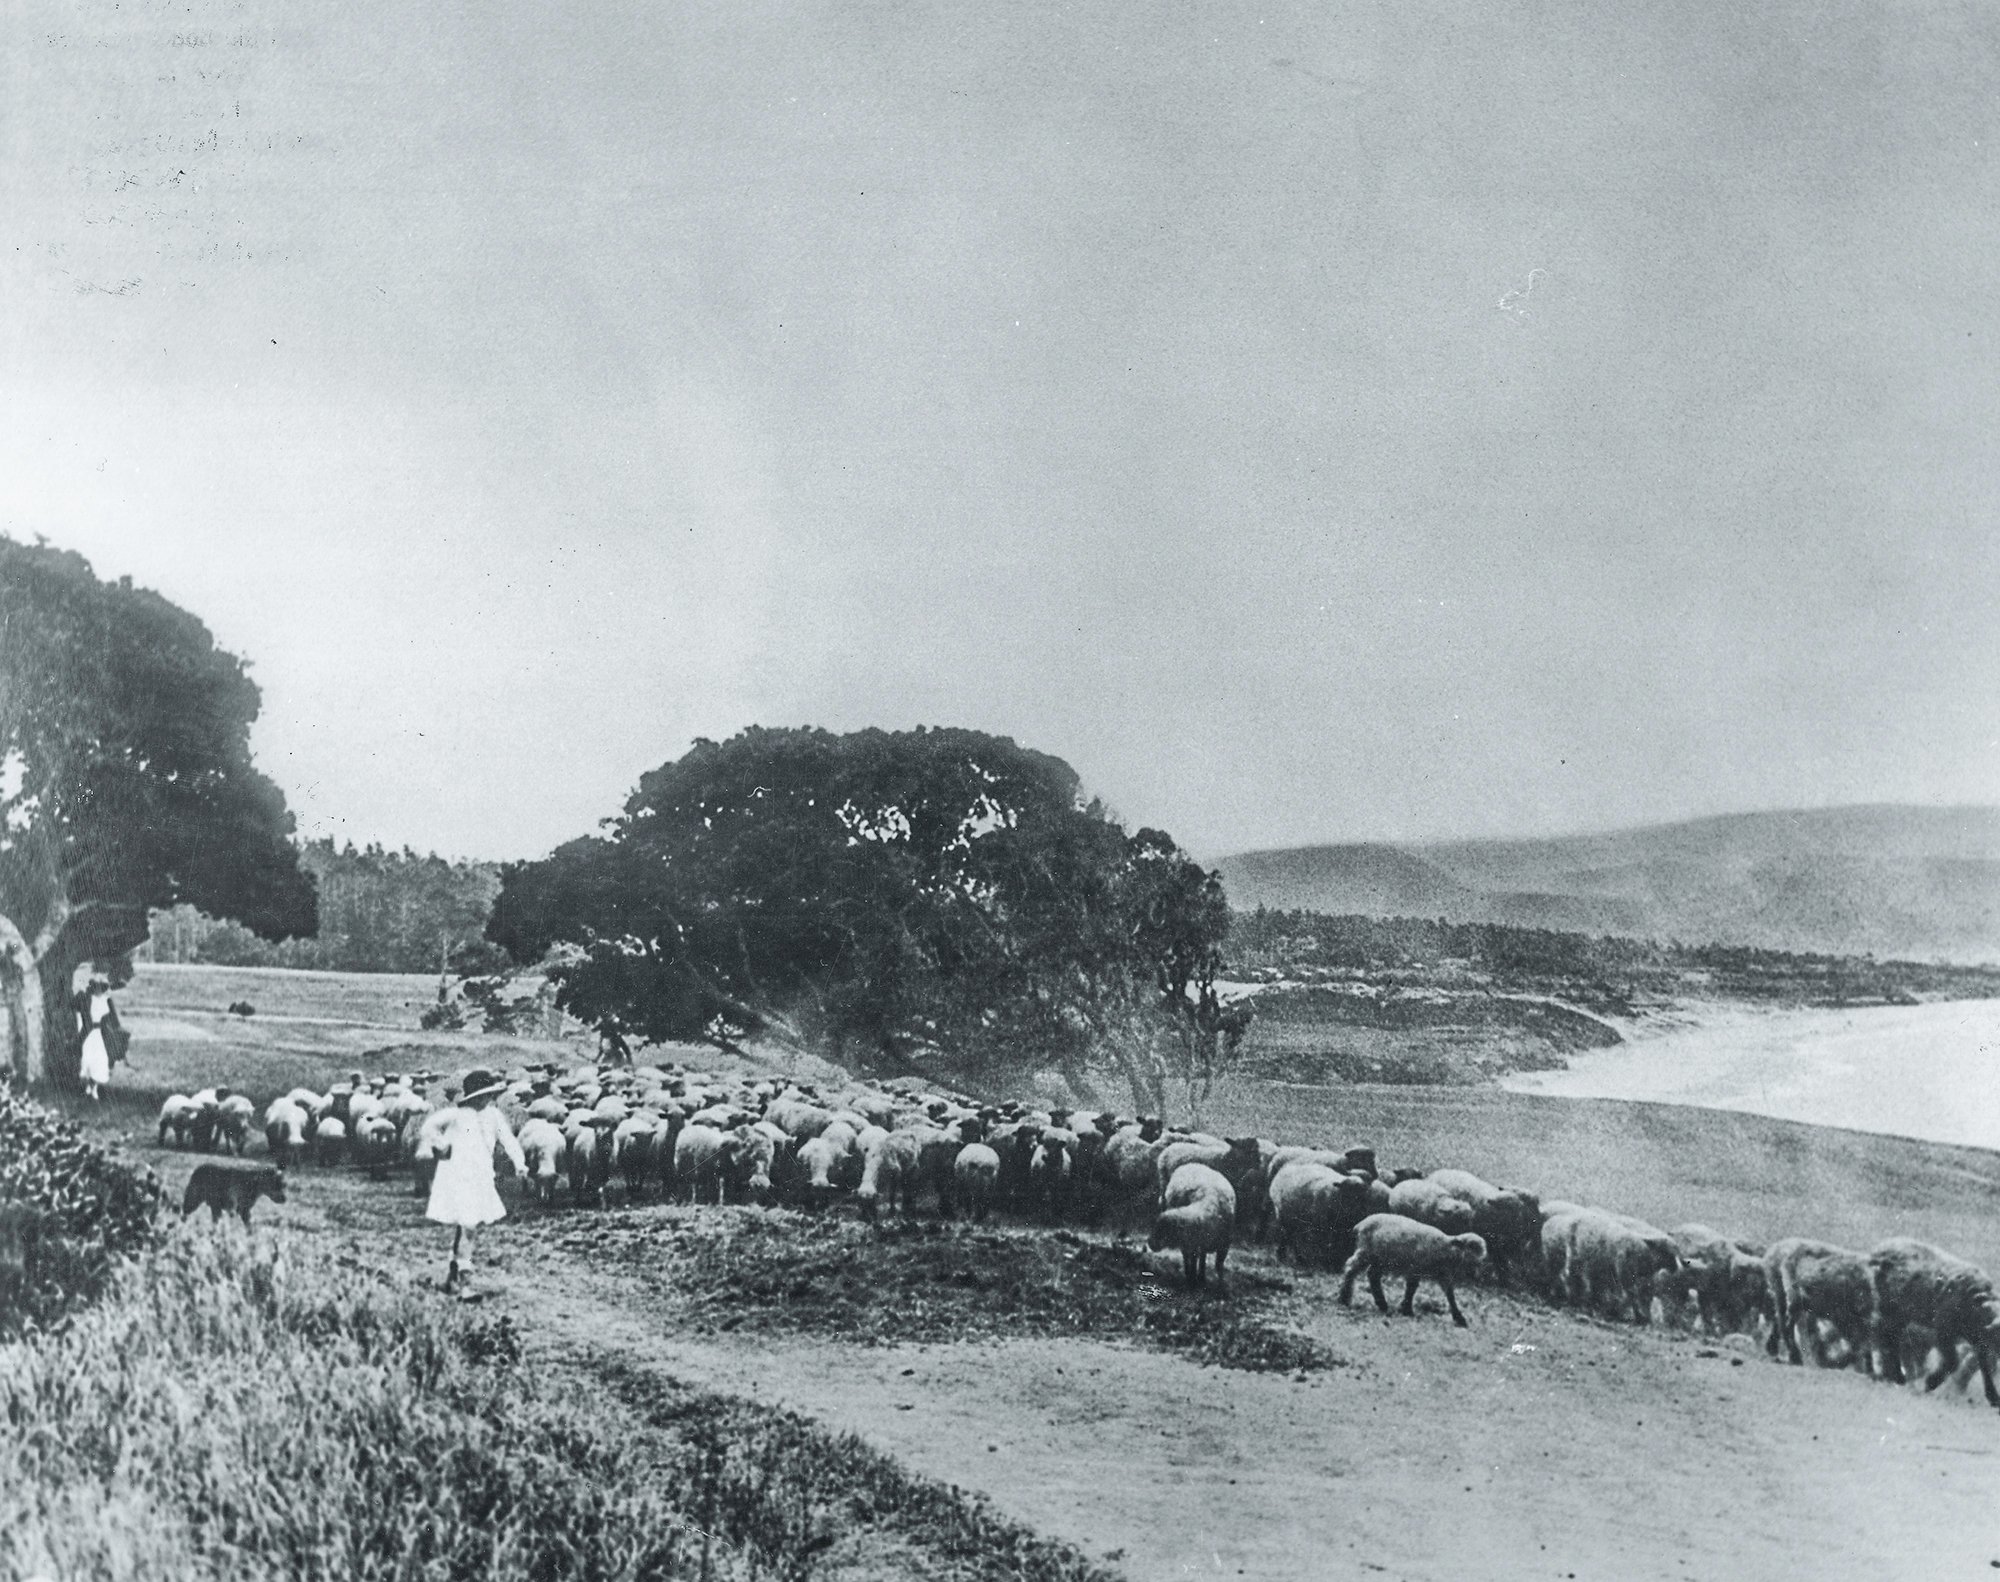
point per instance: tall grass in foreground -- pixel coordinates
(241, 1408)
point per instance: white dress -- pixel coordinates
(96, 1064)
(462, 1191)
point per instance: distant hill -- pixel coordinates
(1916, 882)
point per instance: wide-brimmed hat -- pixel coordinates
(477, 1083)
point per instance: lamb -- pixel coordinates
(1393, 1245)
(976, 1176)
(542, 1145)
(177, 1114)
(1507, 1219)
(375, 1143)
(1950, 1301)
(232, 1184)
(1430, 1204)
(1198, 1216)
(1609, 1262)
(1317, 1209)
(1813, 1283)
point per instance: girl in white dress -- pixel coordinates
(93, 1009)
(462, 1192)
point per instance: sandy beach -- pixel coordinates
(1925, 1071)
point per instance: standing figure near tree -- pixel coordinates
(462, 1192)
(97, 1023)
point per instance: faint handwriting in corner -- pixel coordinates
(123, 289)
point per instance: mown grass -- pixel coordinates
(918, 1279)
(245, 1407)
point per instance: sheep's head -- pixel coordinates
(1150, 1128)
(1469, 1252)
(1162, 1236)
(276, 1191)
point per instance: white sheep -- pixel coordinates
(889, 1165)
(1393, 1245)
(177, 1115)
(976, 1177)
(1507, 1219)
(545, 1150)
(1430, 1204)
(330, 1139)
(285, 1126)
(1198, 1216)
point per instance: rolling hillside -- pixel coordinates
(1914, 882)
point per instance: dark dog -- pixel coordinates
(221, 1184)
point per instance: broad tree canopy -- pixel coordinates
(125, 785)
(937, 901)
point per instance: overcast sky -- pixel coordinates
(1313, 422)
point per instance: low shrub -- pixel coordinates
(70, 1212)
(237, 1408)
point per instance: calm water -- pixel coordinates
(1930, 1071)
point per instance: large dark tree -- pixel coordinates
(125, 785)
(938, 901)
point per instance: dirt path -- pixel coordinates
(1552, 1449)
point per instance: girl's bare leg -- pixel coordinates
(452, 1277)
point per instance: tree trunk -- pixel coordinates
(62, 1048)
(22, 986)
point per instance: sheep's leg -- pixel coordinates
(1192, 1266)
(1375, 1288)
(1889, 1342)
(1947, 1365)
(1986, 1373)
(1347, 1279)
(1409, 1308)
(1451, 1301)
(1797, 1321)
(1221, 1253)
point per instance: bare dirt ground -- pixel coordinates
(1534, 1445)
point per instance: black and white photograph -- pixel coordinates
(1110, 791)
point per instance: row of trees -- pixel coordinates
(379, 911)
(934, 902)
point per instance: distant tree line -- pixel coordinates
(1603, 971)
(379, 911)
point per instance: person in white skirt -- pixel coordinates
(96, 1014)
(462, 1192)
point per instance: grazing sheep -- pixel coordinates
(1721, 1276)
(177, 1114)
(633, 1140)
(1508, 1219)
(421, 1144)
(1812, 1283)
(587, 1157)
(285, 1131)
(1049, 1172)
(976, 1175)
(374, 1143)
(232, 1185)
(821, 1160)
(1316, 1209)
(1235, 1159)
(545, 1150)
(1402, 1248)
(330, 1139)
(1430, 1204)
(889, 1165)
(1944, 1298)
(747, 1172)
(207, 1118)
(1198, 1216)
(1604, 1262)
(797, 1118)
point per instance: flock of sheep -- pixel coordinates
(704, 1137)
